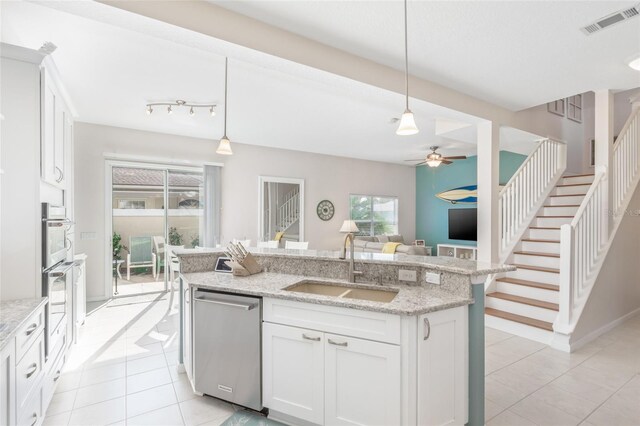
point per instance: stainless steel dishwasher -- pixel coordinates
(227, 347)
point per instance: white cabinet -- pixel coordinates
(57, 133)
(8, 384)
(442, 367)
(187, 343)
(362, 382)
(293, 371)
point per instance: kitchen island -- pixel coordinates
(353, 356)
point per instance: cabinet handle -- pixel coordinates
(333, 342)
(70, 244)
(427, 329)
(55, 379)
(315, 339)
(61, 174)
(35, 419)
(33, 327)
(33, 367)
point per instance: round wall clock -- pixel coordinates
(325, 210)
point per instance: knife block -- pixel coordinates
(247, 267)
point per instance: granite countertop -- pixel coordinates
(13, 314)
(410, 300)
(437, 263)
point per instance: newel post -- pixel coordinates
(604, 152)
(566, 278)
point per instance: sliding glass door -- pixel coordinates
(154, 210)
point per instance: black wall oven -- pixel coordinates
(57, 277)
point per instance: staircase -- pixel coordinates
(289, 211)
(526, 302)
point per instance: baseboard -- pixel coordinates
(574, 346)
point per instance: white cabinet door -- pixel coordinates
(48, 166)
(58, 148)
(8, 384)
(293, 371)
(442, 367)
(187, 353)
(362, 382)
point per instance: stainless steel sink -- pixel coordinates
(343, 291)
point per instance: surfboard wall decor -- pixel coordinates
(463, 194)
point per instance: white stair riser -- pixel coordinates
(521, 309)
(552, 222)
(565, 190)
(542, 261)
(526, 291)
(526, 331)
(541, 247)
(537, 276)
(544, 234)
(572, 180)
(559, 211)
(563, 201)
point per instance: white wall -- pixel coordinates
(326, 177)
(617, 290)
(622, 108)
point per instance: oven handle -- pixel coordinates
(60, 271)
(67, 240)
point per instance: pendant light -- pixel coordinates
(224, 147)
(407, 122)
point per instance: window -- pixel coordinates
(574, 108)
(132, 204)
(374, 215)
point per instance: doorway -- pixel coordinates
(154, 210)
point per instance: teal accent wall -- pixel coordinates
(432, 220)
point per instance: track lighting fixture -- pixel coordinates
(179, 103)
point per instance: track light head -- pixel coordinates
(149, 110)
(212, 111)
(169, 110)
(192, 112)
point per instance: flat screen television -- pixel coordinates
(463, 224)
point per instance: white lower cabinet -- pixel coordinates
(313, 375)
(293, 371)
(362, 382)
(187, 343)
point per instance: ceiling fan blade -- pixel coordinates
(417, 159)
(446, 162)
(456, 157)
(420, 164)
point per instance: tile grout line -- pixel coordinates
(611, 396)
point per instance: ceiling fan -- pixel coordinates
(434, 159)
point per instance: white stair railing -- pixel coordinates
(625, 160)
(289, 211)
(581, 244)
(527, 189)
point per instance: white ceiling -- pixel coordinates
(112, 63)
(516, 54)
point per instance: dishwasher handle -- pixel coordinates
(246, 307)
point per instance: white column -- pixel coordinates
(488, 175)
(604, 149)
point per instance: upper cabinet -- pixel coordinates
(56, 134)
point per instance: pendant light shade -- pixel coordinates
(224, 147)
(407, 122)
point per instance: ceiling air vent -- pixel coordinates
(610, 20)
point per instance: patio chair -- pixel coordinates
(245, 243)
(159, 250)
(140, 255)
(296, 245)
(268, 244)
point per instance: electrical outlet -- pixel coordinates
(406, 275)
(432, 278)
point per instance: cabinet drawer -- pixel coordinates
(29, 332)
(29, 371)
(53, 372)
(31, 414)
(333, 319)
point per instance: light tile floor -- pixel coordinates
(528, 383)
(123, 371)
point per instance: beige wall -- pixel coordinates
(616, 292)
(326, 177)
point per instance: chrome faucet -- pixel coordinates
(352, 271)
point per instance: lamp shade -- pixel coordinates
(349, 226)
(433, 163)
(224, 147)
(407, 124)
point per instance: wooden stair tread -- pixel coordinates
(545, 227)
(572, 176)
(539, 240)
(525, 300)
(565, 205)
(537, 268)
(536, 253)
(555, 217)
(528, 283)
(519, 318)
(569, 195)
(573, 184)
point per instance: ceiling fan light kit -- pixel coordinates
(407, 122)
(224, 147)
(434, 159)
